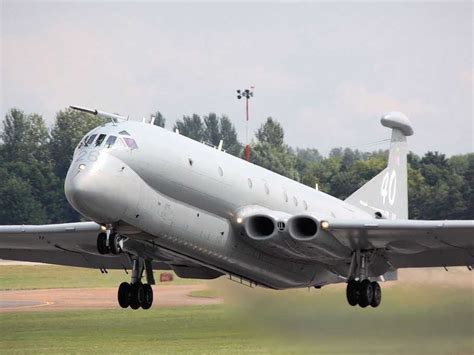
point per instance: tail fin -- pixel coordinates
(386, 195)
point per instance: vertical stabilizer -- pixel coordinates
(386, 195)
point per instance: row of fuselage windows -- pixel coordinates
(97, 140)
(267, 191)
(285, 195)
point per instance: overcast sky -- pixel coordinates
(326, 71)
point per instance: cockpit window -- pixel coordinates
(124, 132)
(110, 141)
(130, 142)
(82, 142)
(90, 140)
(99, 140)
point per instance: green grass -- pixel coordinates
(411, 320)
(21, 277)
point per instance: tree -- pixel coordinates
(271, 132)
(159, 119)
(309, 154)
(24, 136)
(211, 130)
(191, 127)
(18, 205)
(212, 134)
(229, 136)
(27, 169)
(271, 152)
(221, 128)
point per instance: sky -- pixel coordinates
(327, 71)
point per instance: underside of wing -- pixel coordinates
(409, 243)
(70, 244)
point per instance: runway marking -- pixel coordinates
(27, 306)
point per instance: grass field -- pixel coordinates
(411, 320)
(22, 277)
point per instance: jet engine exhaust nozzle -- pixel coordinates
(303, 228)
(260, 227)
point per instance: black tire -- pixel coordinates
(352, 292)
(366, 293)
(102, 244)
(136, 294)
(123, 294)
(147, 296)
(114, 243)
(376, 294)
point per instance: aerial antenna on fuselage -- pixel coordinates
(111, 116)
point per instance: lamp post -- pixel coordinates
(247, 94)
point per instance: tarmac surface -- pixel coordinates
(96, 298)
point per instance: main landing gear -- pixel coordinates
(136, 294)
(362, 292)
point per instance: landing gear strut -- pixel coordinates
(362, 292)
(136, 294)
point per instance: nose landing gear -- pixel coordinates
(109, 243)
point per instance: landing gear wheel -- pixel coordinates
(124, 294)
(366, 293)
(136, 294)
(376, 294)
(352, 292)
(102, 247)
(114, 245)
(147, 296)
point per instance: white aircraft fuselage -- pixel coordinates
(191, 198)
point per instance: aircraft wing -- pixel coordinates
(409, 243)
(72, 244)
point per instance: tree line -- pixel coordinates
(34, 162)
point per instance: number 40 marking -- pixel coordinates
(389, 187)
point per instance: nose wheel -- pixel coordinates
(110, 243)
(137, 294)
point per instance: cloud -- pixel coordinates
(361, 101)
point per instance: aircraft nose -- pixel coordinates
(97, 189)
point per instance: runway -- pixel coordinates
(96, 298)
